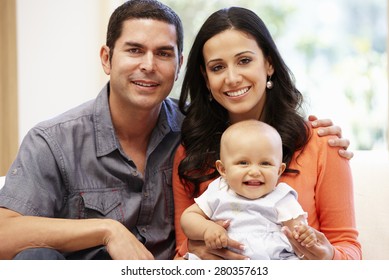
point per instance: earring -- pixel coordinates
(210, 98)
(269, 83)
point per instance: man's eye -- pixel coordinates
(165, 54)
(134, 50)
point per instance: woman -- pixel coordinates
(235, 72)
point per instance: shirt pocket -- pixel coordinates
(102, 204)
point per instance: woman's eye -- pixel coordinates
(216, 68)
(245, 60)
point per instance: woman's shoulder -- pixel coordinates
(315, 150)
(315, 140)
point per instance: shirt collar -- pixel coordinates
(106, 141)
(170, 119)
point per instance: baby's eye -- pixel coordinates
(266, 163)
(243, 162)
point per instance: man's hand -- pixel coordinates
(328, 128)
(121, 244)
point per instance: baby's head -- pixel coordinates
(251, 158)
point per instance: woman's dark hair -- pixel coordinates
(206, 121)
(142, 9)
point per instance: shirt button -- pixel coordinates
(143, 230)
(134, 173)
(146, 194)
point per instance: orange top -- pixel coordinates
(325, 191)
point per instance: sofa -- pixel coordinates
(371, 193)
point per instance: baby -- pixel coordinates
(248, 197)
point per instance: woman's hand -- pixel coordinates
(203, 252)
(328, 128)
(321, 250)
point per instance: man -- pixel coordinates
(110, 158)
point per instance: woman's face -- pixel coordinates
(236, 73)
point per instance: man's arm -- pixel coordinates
(66, 235)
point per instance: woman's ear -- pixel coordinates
(269, 66)
(220, 168)
(105, 59)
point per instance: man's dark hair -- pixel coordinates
(142, 9)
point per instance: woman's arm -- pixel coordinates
(325, 191)
(335, 203)
(181, 201)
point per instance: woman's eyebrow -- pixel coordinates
(238, 54)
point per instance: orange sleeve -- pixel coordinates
(325, 191)
(181, 201)
(335, 203)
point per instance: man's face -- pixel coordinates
(145, 63)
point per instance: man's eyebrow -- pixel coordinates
(138, 45)
(133, 44)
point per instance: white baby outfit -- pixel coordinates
(254, 222)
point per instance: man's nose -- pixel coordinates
(147, 64)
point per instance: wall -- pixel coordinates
(58, 55)
(8, 85)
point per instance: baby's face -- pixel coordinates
(252, 164)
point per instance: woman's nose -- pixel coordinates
(233, 77)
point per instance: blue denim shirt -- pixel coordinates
(74, 167)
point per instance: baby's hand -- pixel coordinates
(305, 235)
(215, 237)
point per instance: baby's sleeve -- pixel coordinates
(288, 208)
